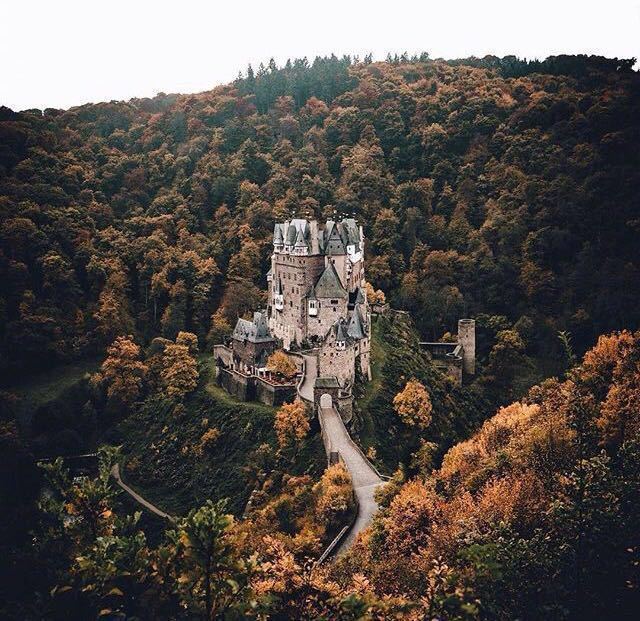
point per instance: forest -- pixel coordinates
(134, 234)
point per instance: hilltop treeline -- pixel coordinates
(492, 187)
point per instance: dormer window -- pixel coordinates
(340, 345)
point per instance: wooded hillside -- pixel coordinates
(488, 187)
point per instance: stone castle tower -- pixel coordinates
(467, 338)
(317, 296)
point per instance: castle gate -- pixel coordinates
(326, 401)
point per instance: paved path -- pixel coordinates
(336, 438)
(311, 372)
(115, 472)
(365, 479)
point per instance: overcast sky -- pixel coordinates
(61, 53)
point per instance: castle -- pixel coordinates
(317, 297)
(458, 358)
(316, 301)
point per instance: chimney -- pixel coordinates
(467, 338)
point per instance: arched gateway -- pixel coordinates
(326, 401)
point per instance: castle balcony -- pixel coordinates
(313, 308)
(278, 302)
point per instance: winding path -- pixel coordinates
(310, 373)
(364, 477)
(115, 472)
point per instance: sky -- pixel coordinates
(63, 53)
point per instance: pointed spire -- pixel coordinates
(277, 235)
(301, 242)
(355, 329)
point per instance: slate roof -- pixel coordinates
(301, 242)
(329, 285)
(256, 331)
(341, 333)
(332, 240)
(355, 297)
(326, 382)
(334, 243)
(355, 329)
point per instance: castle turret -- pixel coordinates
(467, 338)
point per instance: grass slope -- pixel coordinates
(395, 359)
(40, 389)
(165, 465)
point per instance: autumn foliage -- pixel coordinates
(122, 372)
(291, 424)
(413, 405)
(179, 373)
(532, 491)
(278, 362)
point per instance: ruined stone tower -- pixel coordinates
(467, 338)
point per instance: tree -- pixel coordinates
(213, 577)
(507, 355)
(179, 373)
(278, 362)
(122, 372)
(335, 495)
(188, 339)
(374, 296)
(413, 405)
(291, 424)
(113, 317)
(220, 328)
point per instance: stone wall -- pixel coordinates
(328, 314)
(271, 394)
(345, 407)
(364, 352)
(240, 386)
(223, 353)
(251, 388)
